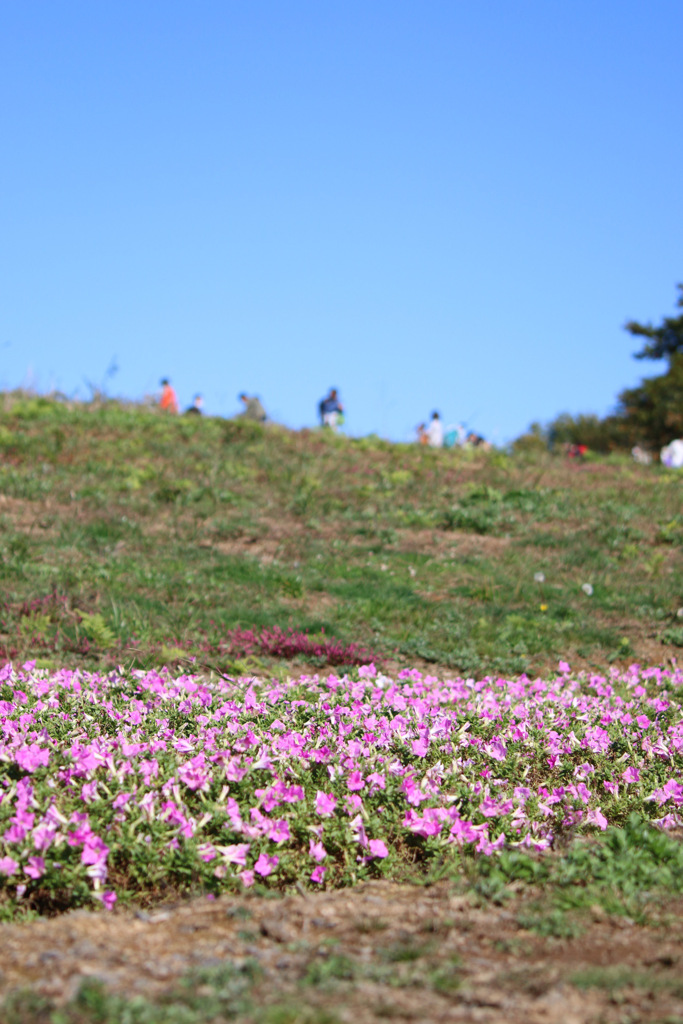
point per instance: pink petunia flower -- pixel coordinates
(265, 865)
(8, 866)
(279, 832)
(597, 818)
(377, 780)
(317, 851)
(108, 899)
(496, 749)
(235, 853)
(325, 803)
(32, 757)
(35, 867)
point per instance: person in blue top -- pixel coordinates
(331, 410)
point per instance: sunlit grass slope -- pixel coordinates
(129, 537)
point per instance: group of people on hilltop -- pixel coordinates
(435, 435)
(432, 435)
(169, 400)
(331, 414)
(253, 410)
(330, 408)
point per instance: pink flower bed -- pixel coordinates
(226, 782)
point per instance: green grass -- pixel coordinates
(202, 997)
(214, 997)
(131, 537)
(614, 979)
(629, 871)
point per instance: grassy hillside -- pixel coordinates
(132, 538)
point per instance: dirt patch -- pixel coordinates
(42, 516)
(267, 540)
(456, 542)
(375, 952)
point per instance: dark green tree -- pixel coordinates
(650, 414)
(653, 411)
(664, 341)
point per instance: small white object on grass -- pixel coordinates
(539, 577)
(587, 589)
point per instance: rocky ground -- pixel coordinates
(377, 952)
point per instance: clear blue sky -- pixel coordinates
(438, 204)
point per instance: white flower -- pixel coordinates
(587, 588)
(679, 613)
(539, 577)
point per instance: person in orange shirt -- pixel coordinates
(169, 401)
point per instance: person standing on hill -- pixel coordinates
(196, 408)
(331, 410)
(435, 432)
(169, 400)
(253, 410)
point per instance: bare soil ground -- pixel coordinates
(378, 952)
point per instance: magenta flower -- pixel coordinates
(265, 865)
(491, 808)
(246, 878)
(325, 803)
(463, 832)
(235, 854)
(317, 851)
(496, 749)
(671, 790)
(597, 740)
(279, 832)
(318, 874)
(378, 849)
(8, 866)
(194, 774)
(597, 818)
(43, 836)
(108, 899)
(32, 757)
(580, 792)
(358, 829)
(352, 803)
(35, 867)
(89, 792)
(377, 780)
(95, 851)
(355, 781)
